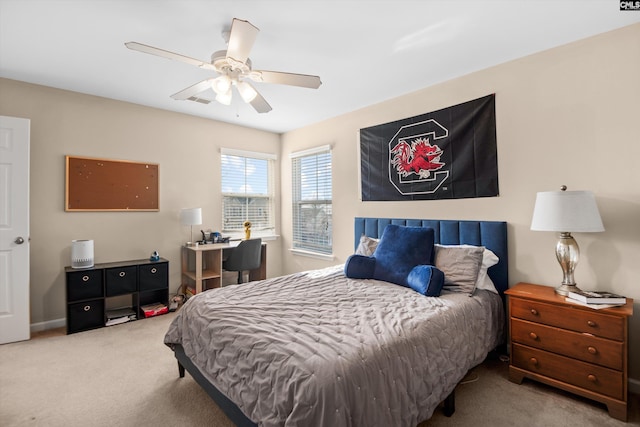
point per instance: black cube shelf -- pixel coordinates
(140, 282)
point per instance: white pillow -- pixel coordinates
(489, 259)
(367, 245)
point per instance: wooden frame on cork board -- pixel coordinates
(95, 184)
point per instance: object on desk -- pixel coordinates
(246, 256)
(154, 256)
(247, 230)
(597, 297)
(191, 217)
(594, 306)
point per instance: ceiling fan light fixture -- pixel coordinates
(224, 98)
(247, 92)
(221, 85)
(234, 68)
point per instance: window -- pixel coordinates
(247, 191)
(312, 204)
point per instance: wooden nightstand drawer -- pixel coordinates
(584, 347)
(586, 375)
(591, 322)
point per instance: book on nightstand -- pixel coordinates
(597, 297)
(594, 306)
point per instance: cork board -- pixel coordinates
(93, 184)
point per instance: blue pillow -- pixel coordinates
(404, 257)
(426, 279)
(400, 249)
(359, 267)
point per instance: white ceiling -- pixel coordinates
(364, 51)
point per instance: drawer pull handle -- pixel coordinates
(85, 278)
(153, 270)
(592, 378)
(87, 308)
(534, 311)
(592, 350)
(591, 323)
(122, 274)
(533, 336)
(534, 361)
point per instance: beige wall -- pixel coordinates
(186, 149)
(564, 116)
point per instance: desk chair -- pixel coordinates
(245, 256)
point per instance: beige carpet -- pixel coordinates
(125, 376)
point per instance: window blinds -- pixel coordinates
(312, 200)
(247, 193)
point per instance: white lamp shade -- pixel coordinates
(81, 253)
(191, 216)
(247, 92)
(566, 211)
(224, 98)
(221, 85)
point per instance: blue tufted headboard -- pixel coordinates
(490, 234)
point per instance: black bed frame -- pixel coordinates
(491, 234)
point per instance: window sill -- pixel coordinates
(317, 255)
(265, 238)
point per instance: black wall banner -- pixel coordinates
(446, 154)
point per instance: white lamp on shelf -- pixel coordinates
(566, 212)
(191, 217)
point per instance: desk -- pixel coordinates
(207, 272)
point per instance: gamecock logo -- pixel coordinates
(415, 164)
(420, 158)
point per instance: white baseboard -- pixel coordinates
(634, 386)
(50, 324)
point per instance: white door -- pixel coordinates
(14, 229)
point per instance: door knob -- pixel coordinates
(19, 240)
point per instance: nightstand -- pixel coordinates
(568, 346)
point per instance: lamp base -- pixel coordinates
(565, 289)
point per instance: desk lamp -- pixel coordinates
(566, 212)
(191, 217)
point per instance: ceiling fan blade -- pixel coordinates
(168, 55)
(192, 90)
(302, 80)
(243, 35)
(260, 104)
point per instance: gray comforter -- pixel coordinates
(319, 349)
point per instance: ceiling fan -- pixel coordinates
(234, 68)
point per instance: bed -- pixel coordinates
(319, 348)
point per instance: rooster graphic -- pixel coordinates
(420, 158)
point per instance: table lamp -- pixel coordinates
(191, 217)
(566, 212)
